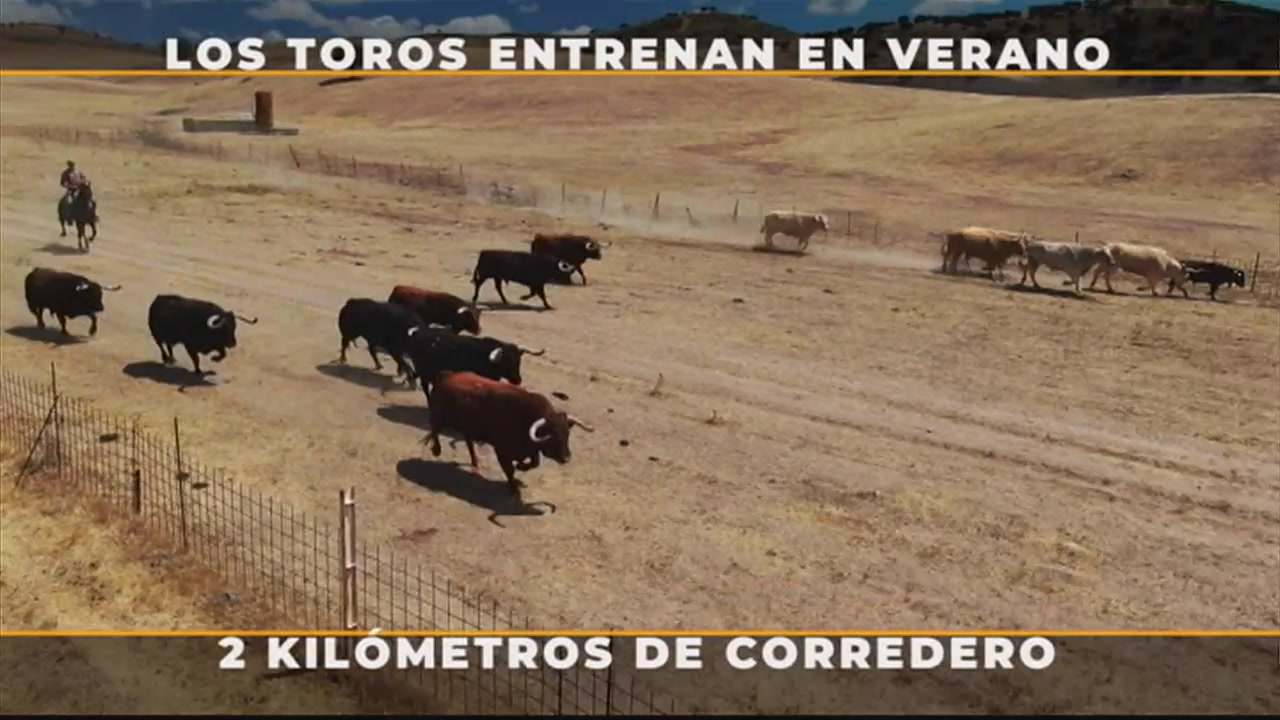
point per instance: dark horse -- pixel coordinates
(82, 210)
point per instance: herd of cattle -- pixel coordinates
(473, 384)
(1154, 264)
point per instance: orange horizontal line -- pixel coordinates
(642, 633)
(647, 73)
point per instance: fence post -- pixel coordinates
(181, 478)
(604, 198)
(1077, 237)
(297, 163)
(848, 223)
(347, 560)
(462, 177)
(354, 171)
(1253, 279)
(57, 416)
(1214, 257)
(137, 468)
(563, 194)
(657, 198)
(735, 210)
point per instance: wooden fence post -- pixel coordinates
(181, 478)
(1077, 237)
(735, 210)
(347, 563)
(604, 198)
(1253, 279)
(564, 194)
(462, 177)
(848, 223)
(57, 416)
(353, 166)
(297, 163)
(657, 198)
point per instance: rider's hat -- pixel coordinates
(71, 163)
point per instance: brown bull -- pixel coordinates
(521, 426)
(438, 308)
(993, 247)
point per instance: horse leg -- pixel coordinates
(94, 227)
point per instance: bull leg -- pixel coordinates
(93, 324)
(582, 275)
(62, 321)
(166, 356)
(1034, 268)
(342, 351)
(1213, 290)
(497, 284)
(1094, 281)
(39, 313)
(94, 235)
(541, 291)
(768, 239)
(403, 370)
(508, 469)
(471, 450)
(1154, 282)
(433, 440)
(373, 353)
(195, 360)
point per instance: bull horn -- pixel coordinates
(592, 245)
(535, 353)
(215, 321)
(250, 321)
(414, 330)
(575, 421)
(493, 356)
(463, 310)
(533, 431)
(82, 287)
(112, 288)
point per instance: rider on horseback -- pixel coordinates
(71, 179)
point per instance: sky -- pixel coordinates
(151, 21)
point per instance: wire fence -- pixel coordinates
(299, 569)
(669, 208)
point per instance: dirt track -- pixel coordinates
(891, 448)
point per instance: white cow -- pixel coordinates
(1074, 260)
(799, 225)
(1147, 261)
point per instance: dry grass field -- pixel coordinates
(68, 566)
(890, 448)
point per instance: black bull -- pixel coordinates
(66, 295)
(201, 327)
(532, 271)
(1213, 274)
(434, 352)
(384, 326)
(573, 249)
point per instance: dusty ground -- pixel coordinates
(69, 567)
(891, 448)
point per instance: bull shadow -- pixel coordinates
(47, 335)
(458, 482)
(417, 417)
(55, 248)
(1065, 293)
(778, 250)
(176, 375)
(499, 306)
(363, 376)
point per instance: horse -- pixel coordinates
(80, 209)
